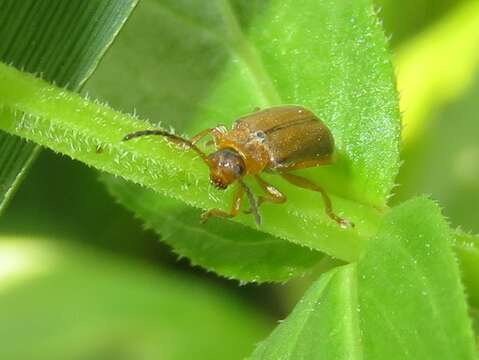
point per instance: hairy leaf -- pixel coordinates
(402, 300)
(338, 67)
(230, 249)
(194, 47)
(93, 133)
(467, 249)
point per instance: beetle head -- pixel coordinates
(226, 166)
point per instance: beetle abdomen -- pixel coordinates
(312, 141)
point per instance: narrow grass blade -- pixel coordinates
(63, 41)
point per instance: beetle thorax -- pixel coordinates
(226, 166)
(251, 148)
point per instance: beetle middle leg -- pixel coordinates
(328, 207)
(235, 207)
(272, 193)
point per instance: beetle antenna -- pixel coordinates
(252, 202)
(172, 137)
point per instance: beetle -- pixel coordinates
(276, 140)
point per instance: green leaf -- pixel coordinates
(62, 40)
(202, 39)
(229, 249)
(213, 64)
(412, 283)
(322, 326)
(342, 73)
(331, 57)
(92, 132)
(467, 250)
(402, 300)
(67, 302)
(450, 142)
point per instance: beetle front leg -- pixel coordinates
(235, 207)
(201, 135)
(273, 195)
(215, 132)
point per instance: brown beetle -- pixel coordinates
(277, 140)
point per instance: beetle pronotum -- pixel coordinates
(276, 140)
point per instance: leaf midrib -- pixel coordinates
(302, 326)
(352, 335)
(348, 291)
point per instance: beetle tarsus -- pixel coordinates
(343, 223)
(253, 203)
(214, 213)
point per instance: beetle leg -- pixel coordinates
(308, 184)
(273, 194)
(201, 135)
(235, 207)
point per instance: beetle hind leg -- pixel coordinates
(328, 207)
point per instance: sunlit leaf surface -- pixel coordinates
(230, 249)
(258, 54)
(402, 300)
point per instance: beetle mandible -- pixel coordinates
(275, 140)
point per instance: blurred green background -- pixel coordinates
(122, 292)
